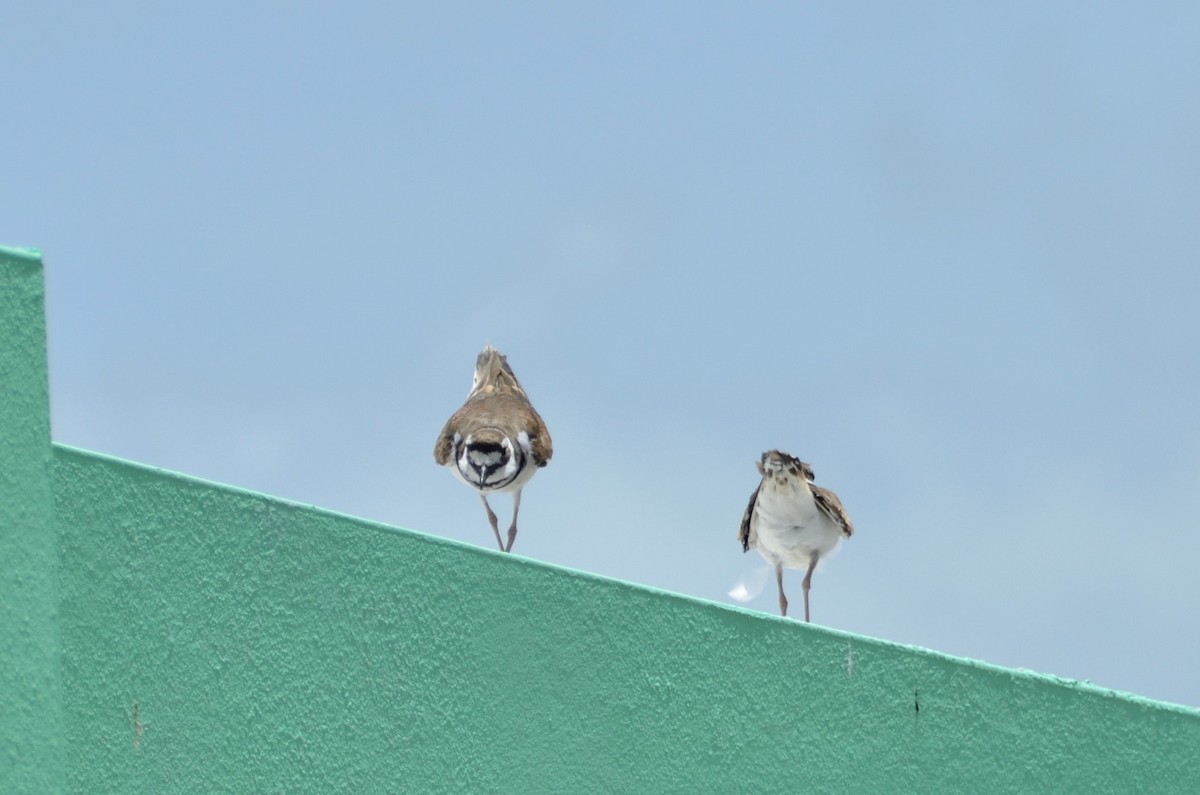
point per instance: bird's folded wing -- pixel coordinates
(831, 506)
(746, 533)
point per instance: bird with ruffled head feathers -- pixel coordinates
(791, 521)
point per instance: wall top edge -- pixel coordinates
(18, 252)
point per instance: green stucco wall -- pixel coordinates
(265, 646)
(275, 647)
(30, 678)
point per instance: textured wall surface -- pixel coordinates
(30, 677)
(272, 647)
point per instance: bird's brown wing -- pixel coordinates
(831, 506)
(444, 447)
(504, 410)
(539, 437)
(746, 533)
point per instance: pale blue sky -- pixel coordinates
(945, 252)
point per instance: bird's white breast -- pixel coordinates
(790, 526)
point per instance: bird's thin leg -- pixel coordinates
(512, 528)
(812, 564)
(492, 520)
(779, 582)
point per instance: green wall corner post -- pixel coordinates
(31, 708)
